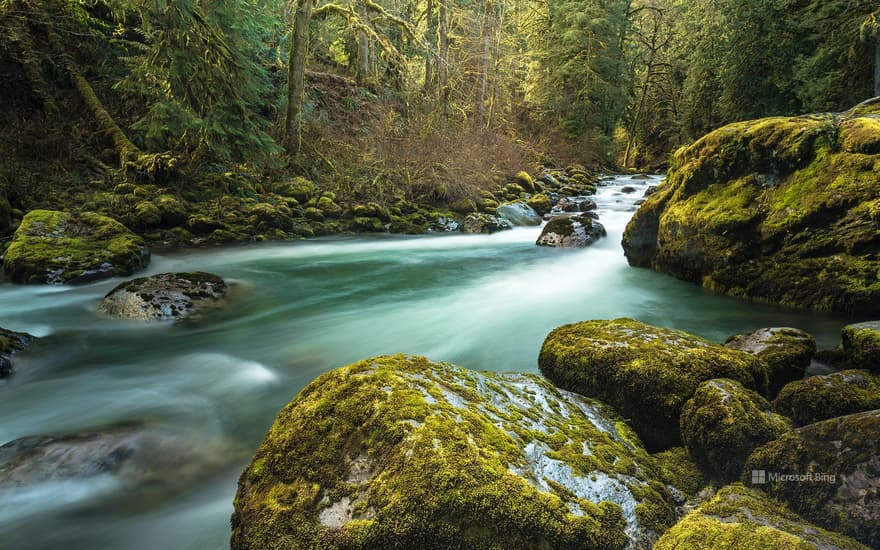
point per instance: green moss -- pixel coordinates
(329, 207)
(59, 247)
(737, 517)
(845, 451)
(647, 373)
(677, 469)
(414, 454)
(723, 423)
(823, 397)
(367, 225)
(313, 214)
(787, 352)
(861, 345)
(540, 203)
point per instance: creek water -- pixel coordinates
(300, 309)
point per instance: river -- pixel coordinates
(300, 309)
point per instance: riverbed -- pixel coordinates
(299, 309)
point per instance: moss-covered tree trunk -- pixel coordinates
(430, 47)
(299, 48)
(444, 61)
(877, 65)
(363, 47)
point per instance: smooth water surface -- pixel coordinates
(301, 309)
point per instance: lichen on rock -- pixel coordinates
(738, 517)
(786, 350)
(647, 373)
(166, 296)
(570, 232)
(400, 451)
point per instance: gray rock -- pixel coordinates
(570, 232)
(483, 223)
(166, 296)
(10, 343)
(518, 213)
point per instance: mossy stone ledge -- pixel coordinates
(861, 345)
(739, 517)
(835, 464)
(723, 423)
(786, 350)
(822, 397)
(646, 373)
(62, 247)
(781, 210)
(403, 452)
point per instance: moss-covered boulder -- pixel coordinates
(524, 180)
(645, 372)
(829, 472)
(166, 296)
(61, 247)
(483, 223)
(404, 452)
(363, 224)
(540, 203)
(329, 207)
(570, 232)
(723, 423)
(738, 517)
(10, 343)
(787, 351)
(518, 213)
(679, 472)
(823, 397)
(861, 345)
(781, 209)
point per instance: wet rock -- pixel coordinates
(10, 343)
(428, 454)
(60, 247)
(627, 189)
(650, 190)
(738, 517)
(647, 373)
(540, 203)
(570, 232)
(822, 397)
(444, 224)
(787, 351)
(518, 213)
(723, 423)
(483, 223)
(834, 467)
(861, 345)
(164, 297)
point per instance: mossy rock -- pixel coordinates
(367, 225)
(570, 232)
(540, 203)
(483, 223)
(404, 452)
(787, 351)
(11, 342)
(647, 373)
(164, 297)
(678, 470)
(739, 517)
(329, 207)
(518, 213)
(5, 215)
(145, 215)
(173, 211)
(723, 423)
(861, 345)
(371, 210)
(463, 206)
(313, 214)
(266, 217)
(823, 397)
(299, 188)
(201, 224)
(60, 247)
(524, 180)
(836, 464)
(780, 210)
(513, 190)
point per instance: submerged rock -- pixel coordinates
(827, 472)
(10, 343)
(723, 423)
(822, 397)
(405, 452)
(787, 351)
(738, 517)
(861, 345)
(780, 209)
(571, 232)
(483, 223)
(60, 247)
(518, 213)
(647, 373)
(163, 297)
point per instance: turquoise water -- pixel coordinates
(301, 309)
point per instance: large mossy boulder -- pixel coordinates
(787, 351)
(403, 452)
(474, 224)
(679, 472)
(11, 342)
(784, 209)
(61, 247)
(570, 232)
(723, 423)
(741, 518)
(646, 373)
(823, 397)
(164, 297)
(861, 345)
(829, 472)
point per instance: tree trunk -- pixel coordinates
(363, 47)
(444, 61)
(430, 46)
(877, 65)
(484, 63)
(299, 49)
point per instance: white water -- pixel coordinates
(485, 302)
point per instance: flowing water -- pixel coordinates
(303, 308)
